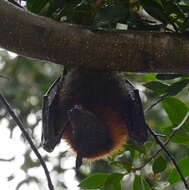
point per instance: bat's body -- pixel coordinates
(95, 112)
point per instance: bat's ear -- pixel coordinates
(49, 138)
(137, 127)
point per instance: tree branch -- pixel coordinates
(135, 51)
(170, 157)
(155, 103)
(20, 125)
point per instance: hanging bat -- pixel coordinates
(96, 112)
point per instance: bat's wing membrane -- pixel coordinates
(49, 138)
(137, 127)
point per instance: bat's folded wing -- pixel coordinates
(49, 139)
(137, 127)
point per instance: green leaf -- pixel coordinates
(159, 2)
(184, 8)
(155, 9)
(186, 1)
(181, 137)
(111, 14)
(137, 183)
(175, 109)
(176, 87)
(157, 87)
(124, 161)
(94, 181)
(146, 185)
(159, 165)
(168, 76)
(140, 183)
(173, 8)
(113, 182)
(183, 165)
(148, 145)
(118, 164)
(35, 6)
(133, 146)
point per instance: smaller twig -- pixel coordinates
(163, 146)
(174, 26)
(21, 126)
(178, 127)
(186, 117)
(181, 124)
(7, 160)
(4, 77)
(160, 135)
(155, 103)
(170, 157)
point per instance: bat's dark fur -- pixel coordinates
(95, 111)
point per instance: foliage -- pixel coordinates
(156, 15)
(135, 167)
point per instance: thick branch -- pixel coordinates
(63, 43)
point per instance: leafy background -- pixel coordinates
(24, 81)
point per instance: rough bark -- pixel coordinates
(62, 43)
